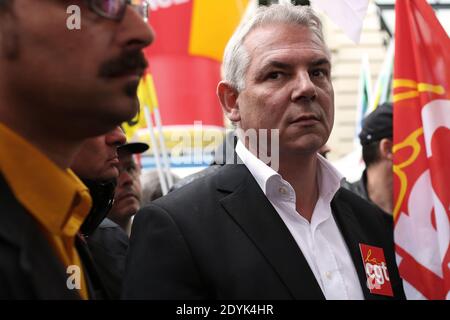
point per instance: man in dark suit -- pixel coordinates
(103, 257)
(105, 165)
(58, 87)
(277, 225)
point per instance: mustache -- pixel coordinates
(127, 63)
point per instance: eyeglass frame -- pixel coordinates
(144, 4)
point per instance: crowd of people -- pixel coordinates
(75, 222)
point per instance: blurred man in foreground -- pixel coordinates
(58, 87)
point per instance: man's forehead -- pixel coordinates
(274, 37)
(287, 61)
(302, 50)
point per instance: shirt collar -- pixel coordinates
(259, 170)
(53, 196)
(328, 177)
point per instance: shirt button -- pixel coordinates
(328, 275)
(282, 190)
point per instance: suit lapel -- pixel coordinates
(251, 210)
(353, 235)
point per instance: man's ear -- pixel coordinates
(386, 148)
(228, 99)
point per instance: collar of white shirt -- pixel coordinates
(329, 179)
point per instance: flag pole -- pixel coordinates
(162, 144)
(158, 122)
(155, 149)
(382, 86)
(364, 95)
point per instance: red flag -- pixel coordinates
(422, 151)
(186, 56)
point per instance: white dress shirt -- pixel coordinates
(320, 241)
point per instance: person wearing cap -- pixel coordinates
(375, 184)
(100, 164)
(128, 194)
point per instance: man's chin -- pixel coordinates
(124, 109)
(111, 174)
(301, 148)
(129, 205)
(134, 108)
(131, 87)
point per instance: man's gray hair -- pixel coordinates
(236, 58)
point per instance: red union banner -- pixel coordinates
(422, 151)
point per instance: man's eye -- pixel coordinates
(274, 75)
(319, 73)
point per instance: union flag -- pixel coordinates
(422, 151)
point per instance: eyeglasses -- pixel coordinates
(115, 9)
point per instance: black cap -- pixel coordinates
(377, 125)
(133, 147)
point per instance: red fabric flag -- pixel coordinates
(422, 151)
(185, 58)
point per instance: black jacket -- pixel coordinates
(29, 265)
(108, 246)
(220, 238)
(360, 188)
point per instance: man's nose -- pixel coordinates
(125, 179)
(115, 137)
(304, 87)
(135, 33)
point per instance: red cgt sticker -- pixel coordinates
(377, 274)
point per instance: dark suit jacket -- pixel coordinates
(220, 238)
(29, 266)
(108, 246)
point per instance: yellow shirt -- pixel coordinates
(56, 198)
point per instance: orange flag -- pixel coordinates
(422, 151)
